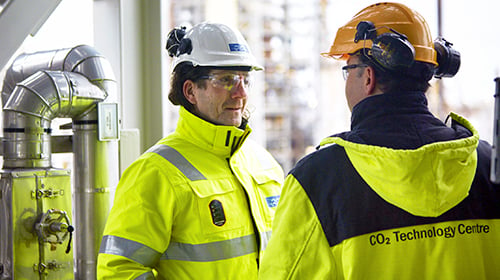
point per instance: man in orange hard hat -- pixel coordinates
(401, 195)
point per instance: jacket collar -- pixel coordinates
(388, 104)
(219, 139)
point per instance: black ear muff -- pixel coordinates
(174, 38)
(177, 44)
(185, 46)
(391, 50)
(448, 59)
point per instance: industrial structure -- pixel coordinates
(40, 210)
(110, 94)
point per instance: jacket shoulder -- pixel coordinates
(256, 154)
(322, 161)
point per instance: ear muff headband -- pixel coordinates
(391, 50)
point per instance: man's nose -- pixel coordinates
(239, 90)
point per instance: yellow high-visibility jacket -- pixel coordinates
(358, 211)
(197, 205)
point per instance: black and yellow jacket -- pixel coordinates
(197, 205)
(400, 196)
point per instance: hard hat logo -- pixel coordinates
(238, 48)
(210, 44)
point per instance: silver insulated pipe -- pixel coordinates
(69, 83)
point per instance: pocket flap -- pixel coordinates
(265, 177)
(206, 188)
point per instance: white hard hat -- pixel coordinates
(210, 44)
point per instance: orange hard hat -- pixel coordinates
(393, 16)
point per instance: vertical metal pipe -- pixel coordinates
(96, 176)
(441, 108)
(495, 155)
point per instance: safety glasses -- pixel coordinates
(345, 69)
(228, 81)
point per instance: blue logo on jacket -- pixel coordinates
(272, 201)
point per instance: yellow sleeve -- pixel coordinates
(142, 215)
(298, 248)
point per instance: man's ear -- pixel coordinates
(188, 89)
(369, 81)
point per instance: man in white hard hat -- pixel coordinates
(199, 204)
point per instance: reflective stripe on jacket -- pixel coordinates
(197, 205)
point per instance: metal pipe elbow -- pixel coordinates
(82, 59)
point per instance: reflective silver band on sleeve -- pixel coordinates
(146, 276)
(135, 251)
(178, 160)
(214, 251)
(264, 239)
